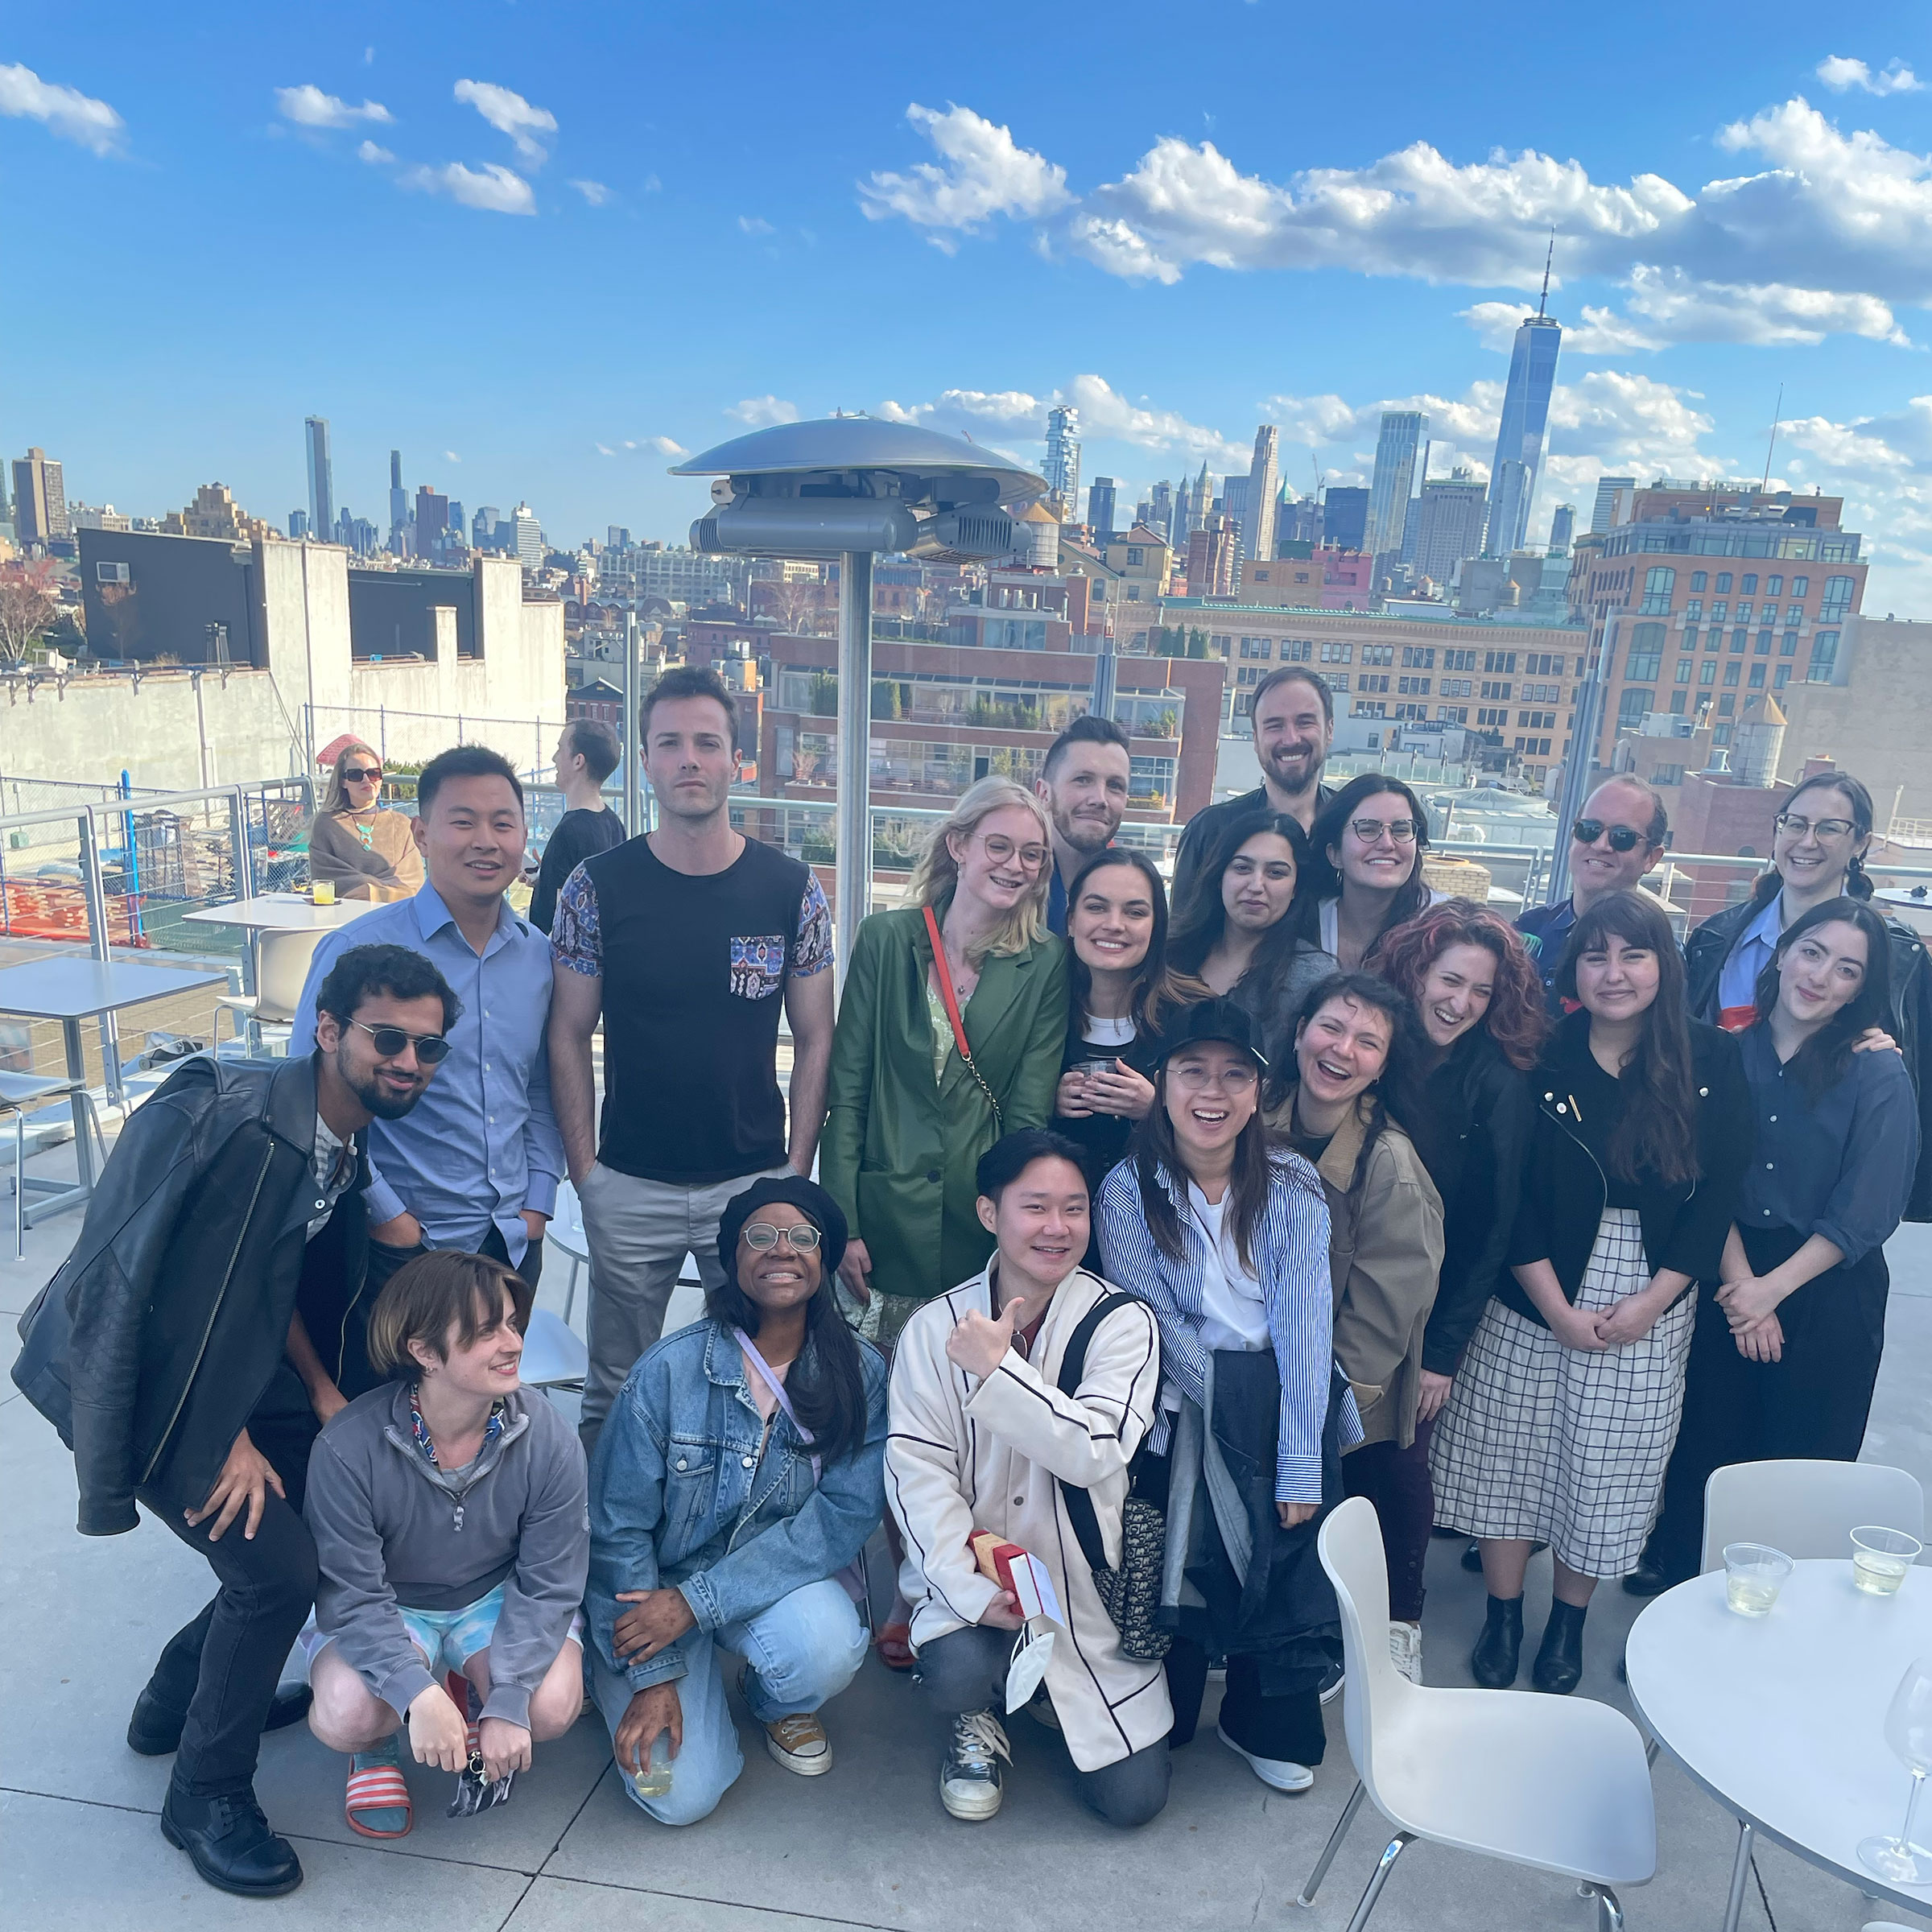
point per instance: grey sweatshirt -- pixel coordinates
(392, 1531)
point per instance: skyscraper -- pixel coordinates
(1100, 508)
(527, 535)
(398, 506)
(1562, 526)
(1519, 437)
(1160, 509)
(1448, 520)
(1602, 516)
(1210, 559)
(1062, 469)
(39, 499)
(321, 483)
(1402, 436)
(1196, 501)
(1258, 520)
(1345, 517)
(432, 520)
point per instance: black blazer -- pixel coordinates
(1565, 1187)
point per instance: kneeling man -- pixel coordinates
(449, 1510)
(984, 1438)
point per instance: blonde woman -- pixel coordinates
(356, 842)
(909, 1114)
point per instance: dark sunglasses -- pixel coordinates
(432, 1048)
(1586, 831)
(360, 774)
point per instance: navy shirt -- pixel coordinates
(1545, 930)
(1840, 1165)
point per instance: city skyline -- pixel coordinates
(1152, 254)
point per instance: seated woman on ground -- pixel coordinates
(402, 1606)
(736, 1480)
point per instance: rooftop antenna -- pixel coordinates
(1776, 422)
(1543, 302)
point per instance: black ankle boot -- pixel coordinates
(1560, 1658)
(1493, 1663)
(230, 1844)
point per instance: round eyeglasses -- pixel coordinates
(801, 1240)
(390, 1041)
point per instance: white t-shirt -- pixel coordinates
(1233, 1314)
(1116, 1034)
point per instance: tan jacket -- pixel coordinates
(1384, 1254)
(966, 1454)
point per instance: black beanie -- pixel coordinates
(808, 1197)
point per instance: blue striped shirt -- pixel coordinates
(1290, 1258)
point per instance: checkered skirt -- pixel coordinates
(1564, 1446)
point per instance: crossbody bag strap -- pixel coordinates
(1073, 1366)
(953, 1014)
(776, 1384)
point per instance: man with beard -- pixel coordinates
(188, 1351)
(1293, 721)
(1084, 786)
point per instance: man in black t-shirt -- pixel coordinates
(687, 942)
(587, 754)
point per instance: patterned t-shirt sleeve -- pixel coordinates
(811, 953)
(576, 941)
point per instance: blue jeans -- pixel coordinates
(806, 1649)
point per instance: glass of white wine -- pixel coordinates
(1906, 1860)
(1754, 1573)
(1881, 1557)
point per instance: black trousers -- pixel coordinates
(222, 1669)
(1288, 1728)
(966, 1670)
(1813, 1403)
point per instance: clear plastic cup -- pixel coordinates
(322, 891)
(1880, 1558)
(1754, 1573)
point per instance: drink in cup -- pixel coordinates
(1880, 1558)
(322, 892)
(1754, 1573)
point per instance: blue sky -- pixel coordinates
(541, 248)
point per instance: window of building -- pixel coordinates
(1726, 704)
(1794, 613)
(1733, 673)
(1722, 735)
(1417, 687)
(1714, 639)
(1698, 578)
(1494, 687)
(1720, 611)
(1774, 586)
(1694, 610)
(1453, 714)
(1296, 650)
(1677, 702)
(1490, 720)
(1659, 583)
(1337, 654)
(1838, 592)
(1415, 713)
(1257, 647)
(1459, 660)
(1499, 660)
(1707, 671)
(1378, 653)
(1632, 706)
(1801, 586)
(1336, 680)
(1683, 669)
(1743, 610)
(1457, 687)
(1782, 678)
(1739, 640)
(1723, 579)
(1824, 657)
(1787, 644)
(1136, 556)
(1221, 646)
(1748, 581)
(1369, 708)
(1764, 643)
(1645, 652)
(1373, 681)
(1757, 677)
(1248, 674)
(1418, 657)
(1690, 643)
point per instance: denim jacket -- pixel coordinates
(681, 1495)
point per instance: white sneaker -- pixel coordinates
(969, 1772)
(1282, 1773)
(799, 1744)
(1405, 1649)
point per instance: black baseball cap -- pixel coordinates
(1216, 1019)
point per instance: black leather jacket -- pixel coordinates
(151, 1347)
(1709, 946)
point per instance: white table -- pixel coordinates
(279, 912)
(1781, 1718)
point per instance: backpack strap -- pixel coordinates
(1073, 1366)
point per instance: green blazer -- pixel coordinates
(899, 1149)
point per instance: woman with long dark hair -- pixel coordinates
(739, 1474)
(1119, 989)
(1819, 843)
(1239, 927)
(1341, 1103)
(1368, 867)
(1785, 1356)
(1227, 1242)
(1563, 1415)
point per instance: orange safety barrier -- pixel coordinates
(41, 911)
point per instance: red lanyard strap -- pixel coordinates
(953, 1014)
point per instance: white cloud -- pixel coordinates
(307, 106)
(760, 412)
(495, 187)
(374, 155)
(982, 172)
(595, 192)
(665, 447)
(603, 449)
(449, 455)
(652, 184)
(65, 111)
(753, 225)
(509, 114)
(1839, 71)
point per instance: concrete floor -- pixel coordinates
(869, 1846)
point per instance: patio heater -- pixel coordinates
(846, 490)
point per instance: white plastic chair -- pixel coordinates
(1807, 1508)
(566, 1232)
(553, 1355)
(1559, 1784)
(281, 963)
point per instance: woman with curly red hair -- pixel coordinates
(1481, 1007)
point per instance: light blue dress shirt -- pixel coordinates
(481, 1145)
(1750, 954)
